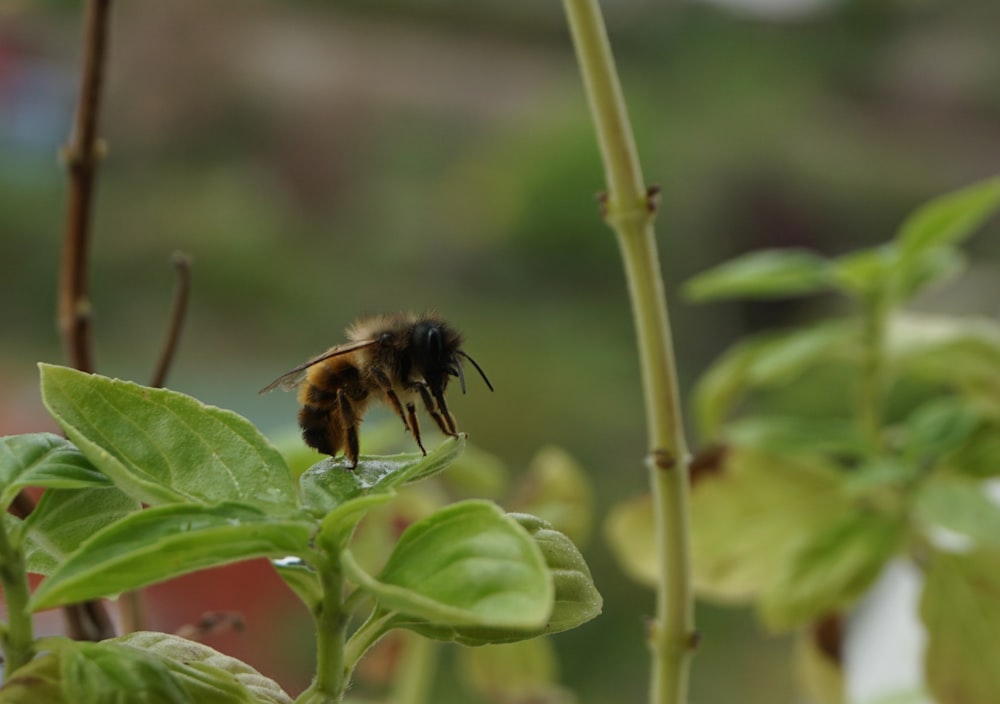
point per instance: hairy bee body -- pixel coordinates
(395, 359)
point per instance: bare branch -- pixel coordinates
(183, 265)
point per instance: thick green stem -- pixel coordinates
(18, 637)
(331, 634)
(629, 210)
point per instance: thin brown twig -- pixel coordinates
(182, 263)
(82, 156)
(89, 620)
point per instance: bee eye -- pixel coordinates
(434, 342)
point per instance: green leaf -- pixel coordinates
(163, 447)
(203, 670)
(768, 361)
(43, 460)
(749, 520)
(167, 541)
(960, 609)
(831, 568)
(949, 219)
(65, 518)
(468, 564)
(342, 497)
(330, 484)
(556, 488)
(959, 506)
(150, 667)
(301, 577)
(527, 671)
(768, 273)
(979, 455)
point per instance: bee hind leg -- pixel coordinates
(349, 422)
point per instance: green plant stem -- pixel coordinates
(331, 633)
(18, 637)
(629, 210)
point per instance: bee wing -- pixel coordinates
(291, 379)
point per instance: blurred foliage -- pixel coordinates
(322, 160)
(799, 512)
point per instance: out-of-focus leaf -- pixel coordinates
(831, 568)
(750, 519)
(43, 460)
(792, 435)
(963, 353)
(939, 427)
(979, 455)
(477, 473)
(949, 219)
(65, 518)
(630, 532)
(515, 673)
(960, 609)
(163, 447)
(556, 488)
(929, 267)
(865, 273)
(768, 361)
(468, 564)
(37, 681)
(961, 506)
(167, 541)
(769, 273)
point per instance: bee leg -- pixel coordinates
(448, 417)
(445, 423)
(411, 411)
(382, 379)
(350, 424)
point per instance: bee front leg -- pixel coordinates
(445, 422)
(382, 379)
(349, 421)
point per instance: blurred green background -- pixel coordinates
(320, 160)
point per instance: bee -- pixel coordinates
(395, 359)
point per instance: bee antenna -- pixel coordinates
(478, 369)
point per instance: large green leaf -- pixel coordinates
(167, 541)
(468, 564)
(949, 219)
(960, 609)
(831, 568)
(767, 273)
(161, 446)
(152, 668)
(750, 519)
(65, 518)
(43, 460)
